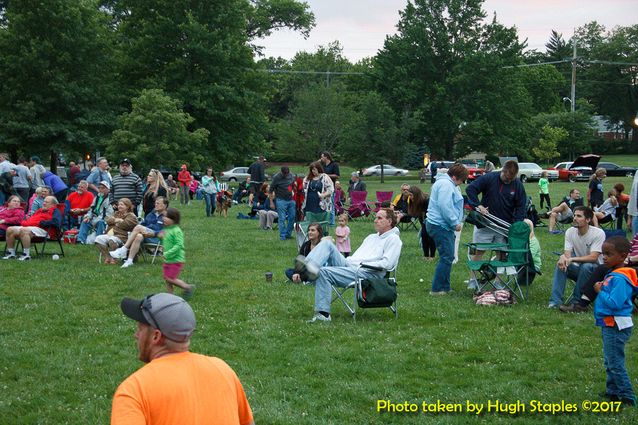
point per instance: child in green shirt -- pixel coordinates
(174, 254)
(543, 185)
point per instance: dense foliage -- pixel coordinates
(450, 81)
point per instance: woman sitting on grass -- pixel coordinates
(11, 215)
(119, 224)
(315, 234)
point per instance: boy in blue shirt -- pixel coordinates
(612, 311)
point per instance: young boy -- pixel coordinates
(612, 311)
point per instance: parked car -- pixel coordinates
(579, 170)
(528, 171)
(388, 170)
(237, 174)
(474, 171)
(615, 170)
(441, 167)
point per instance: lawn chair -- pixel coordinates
(301, 227)
(54, 234)
(511, 264)
(359, 208)
(361, 294)
(153, 249)
(407, 222)
(382, 197)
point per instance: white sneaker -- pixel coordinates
(318, 317)
(127, 263)
(9, 257)
(24, 257)
(119, 253)
(303, 265)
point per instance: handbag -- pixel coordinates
(377, 292)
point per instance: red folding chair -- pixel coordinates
(358, 205)
(381, 198)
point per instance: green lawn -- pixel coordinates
(66, 346)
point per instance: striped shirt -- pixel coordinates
(128, 186)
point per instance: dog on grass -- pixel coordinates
(224, 202)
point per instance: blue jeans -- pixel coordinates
(211, 203)
(286, 211)
(334, 270)
(634, 225)
(444, 241)
(332, 211)
(577, 272)
(85, 229)
(618, 382)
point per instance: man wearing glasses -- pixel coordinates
(327, 266)
(175, 386)
(46, 217)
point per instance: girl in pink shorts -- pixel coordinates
(174, 253)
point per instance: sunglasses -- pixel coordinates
(146, 306)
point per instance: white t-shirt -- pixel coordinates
(581, 246)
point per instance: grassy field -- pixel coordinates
(66, 346)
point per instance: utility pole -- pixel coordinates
(574, 60)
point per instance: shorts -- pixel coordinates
(152, 240)
(486, 235)
(105, 239)
(172, 270)
(565, 217)
(37, 231)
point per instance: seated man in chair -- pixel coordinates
(583, 248)
(564, 212)
(36, 225)
(326, 266)
(79, 204)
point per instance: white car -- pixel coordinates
(388, 170)
(528, 171)
(237, 174)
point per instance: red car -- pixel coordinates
(579, 170)
(474, 172)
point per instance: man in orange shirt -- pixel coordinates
(175, 386)
(184, 178)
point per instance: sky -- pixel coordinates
(362, 25)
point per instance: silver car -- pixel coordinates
(237, 174)
(388, 170)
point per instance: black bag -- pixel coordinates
(377, 292)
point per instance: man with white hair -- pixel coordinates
(36, 225)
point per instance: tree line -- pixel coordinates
(165, 82)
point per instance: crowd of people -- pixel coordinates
(106, 210)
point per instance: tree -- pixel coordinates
(548, 143)
(267, 16)
(55, 77)
(578, 125)
(156, 133)
(318, 121)
(447, 65)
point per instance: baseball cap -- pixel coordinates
(168, 313)
(105, 184)
(125, 161)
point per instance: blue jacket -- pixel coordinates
(506, 201)
(153, 221)
(615, 297)
(54, 182)
(446, 203)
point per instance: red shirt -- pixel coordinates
(37, 217)
(82, 201)
(184, 178)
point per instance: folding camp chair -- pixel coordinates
(360, 298)
(382, 197)
(408, 222)
(511, 265)
(54, 234)
(151, 248)
(358, 205)
(301, 227)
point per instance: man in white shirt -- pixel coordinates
(583, 248)
(327, 266)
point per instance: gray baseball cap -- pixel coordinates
(168, 313)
